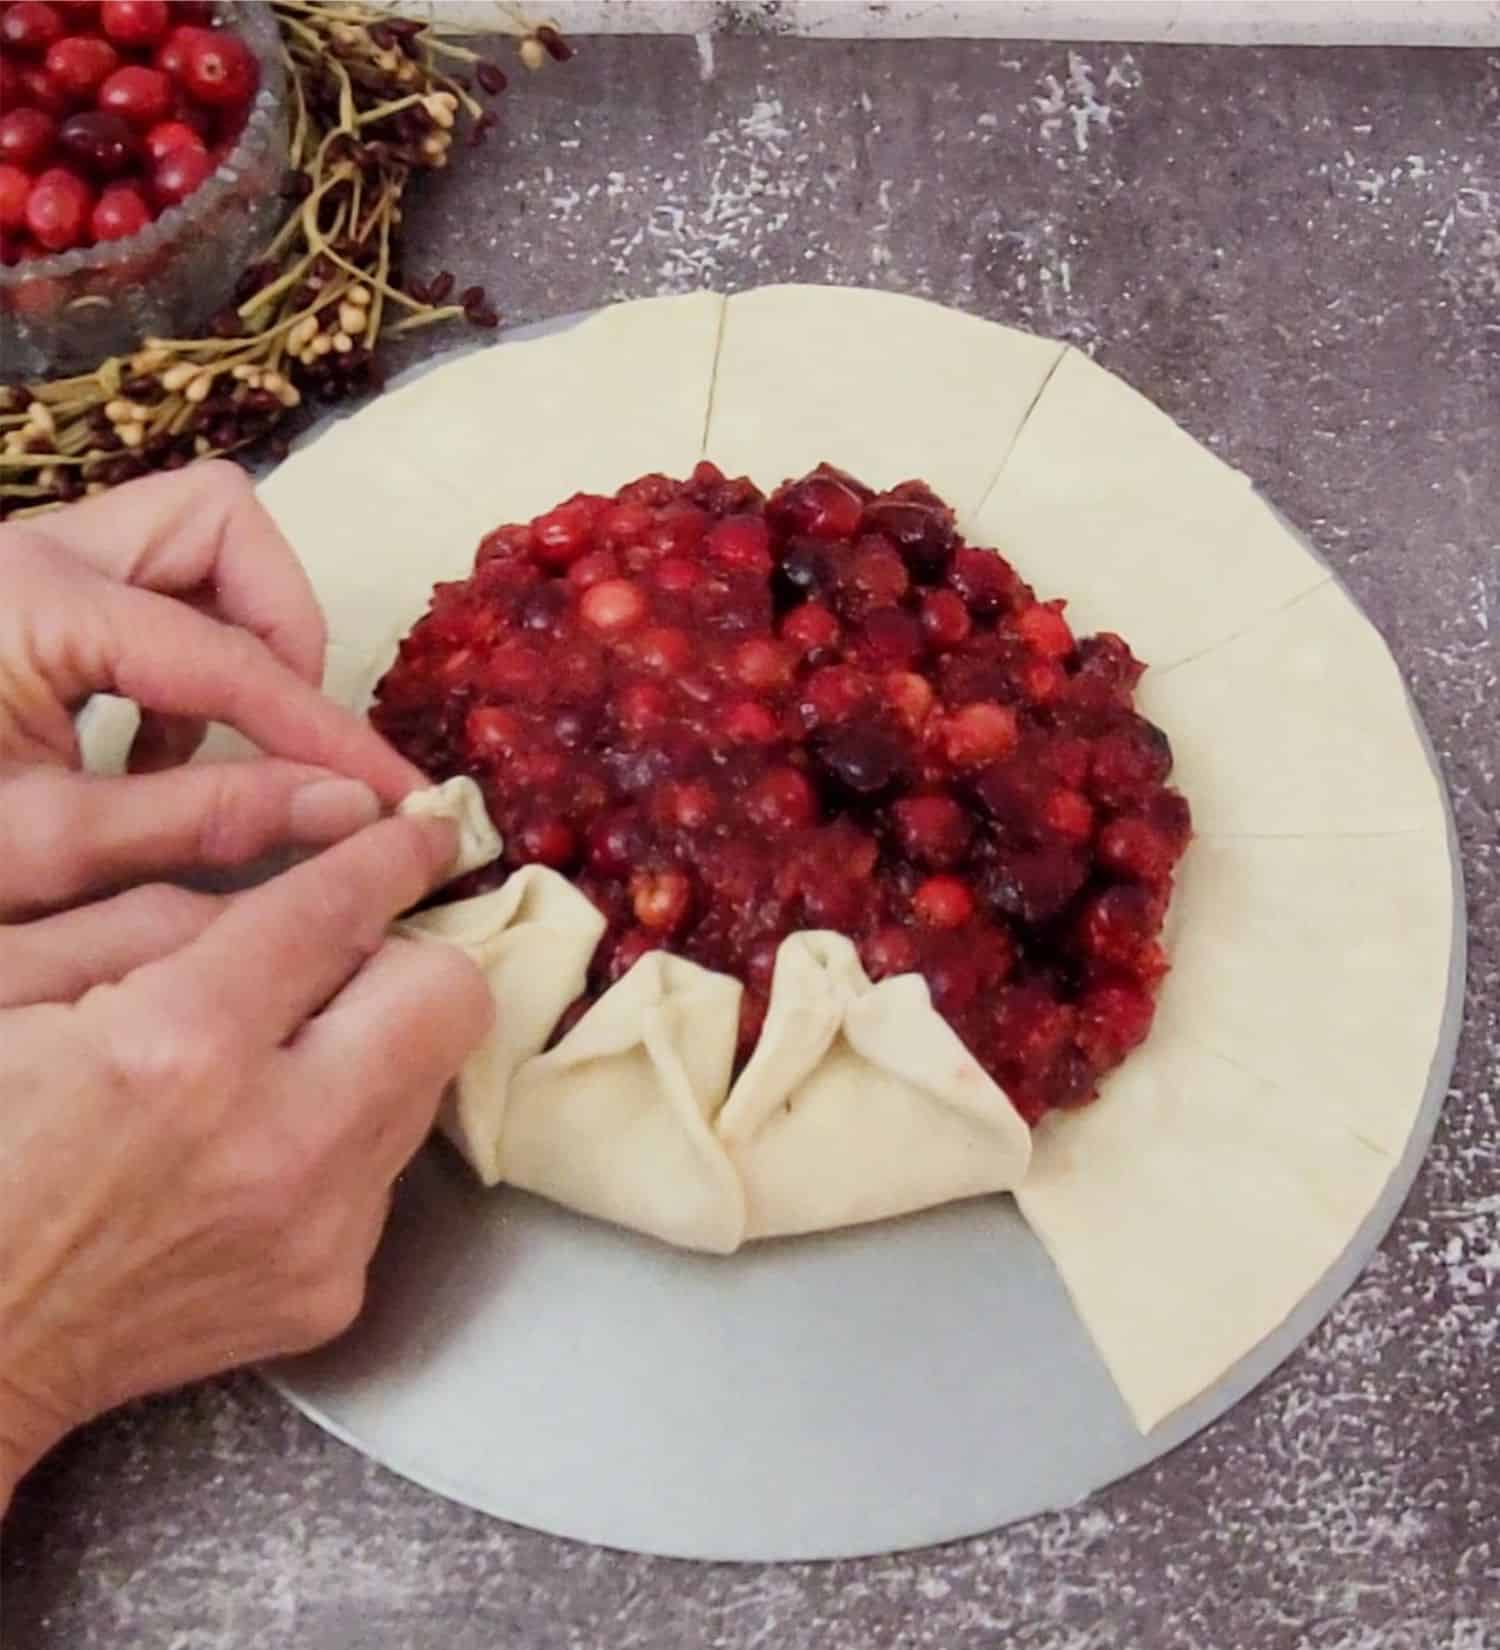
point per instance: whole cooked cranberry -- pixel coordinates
(888, 951)
(979, 734)
(594, 568)
(545, 609)
(492, 731)
(168, 135)
(890, 637)
(873, 576)
(141, 96)
(30, 26)
(953, 981)
(15, 186)
(820, 505)
(804, 570)
(810, 627)
(762, 666)
(102, 145)
(1106, 672)
(782, 801)
(564, 534)
(26, 138)
(1128, 762)
(661, 900)
(612, 607)
(986, 581)
(676, 575)
(945, 618)
(910, 696)
(547, 841)
(934, 830)
(120, 212)
(833, 694)
(1044, 629)
(923, 533)
(864, 758)
(740, 541)
(1132, 847)
(617, 843)
(80, 64)
(1113, 1019)
(178, 174)
(623, 525)
(677, 531)
(943, 902)
(748, 722)
(220, 70)
(1068, 813)
(642, 706)
(134, 22)
(664, 650)
(1116, 925)
(11, 87)
(1035, 885)
(58, 208)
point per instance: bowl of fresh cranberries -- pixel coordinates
(142, 144)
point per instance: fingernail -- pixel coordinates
(330, 809)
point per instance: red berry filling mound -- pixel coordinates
(728, 718)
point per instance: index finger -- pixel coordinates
(202, 529)
(168, 658)
(281, 951)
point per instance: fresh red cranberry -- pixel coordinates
(980, 734)
(168, 135)
(120, 212)
(613, 607)
(79, 64)
(782, 801)
(178, 174)
(26, 138)
(30, 26)
(134, 22)
(934, 830)
(58, 208)
(15, 186)
(40, 91)
(220, 71)
(101, 145)
(141, 96)
(171, 54)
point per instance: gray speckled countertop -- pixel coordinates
(1297, 254)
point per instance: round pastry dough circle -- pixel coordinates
(1230, 1161)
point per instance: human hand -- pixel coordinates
(206, 1103)
(179, 592)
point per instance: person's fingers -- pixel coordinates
(281, 951)
(173, 660)
(57, 959)
(63, 835)
(385, 1048)
(163, 742)
(200, 532)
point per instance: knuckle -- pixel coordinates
(230, 819)
(323, 1310)
(181, 1057)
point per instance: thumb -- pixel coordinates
(64, 835)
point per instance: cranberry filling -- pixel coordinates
(728, 717)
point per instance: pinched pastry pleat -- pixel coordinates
(617, 1120)
(461, 802)
(860, 1102)
(533, 938)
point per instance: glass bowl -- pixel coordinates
(69, 312)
